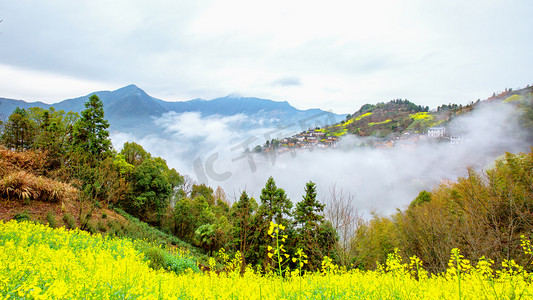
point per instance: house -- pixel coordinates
(436, 132)
(383, 145)
(456, 140)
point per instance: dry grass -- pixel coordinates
(22, 185)
(31, 161)
(20, 178)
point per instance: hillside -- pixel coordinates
(394, 118)
(28, 192)
(401, 116)
(402, 122)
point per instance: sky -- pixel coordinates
(334, 55)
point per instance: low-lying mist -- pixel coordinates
(211, 150)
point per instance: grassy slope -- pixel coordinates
(25, 194)
(387, 119)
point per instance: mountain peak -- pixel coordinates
(129, 88)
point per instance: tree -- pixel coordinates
(275, 206)
(309, 211)
(151, 191)
(242, 215)
(345, 220)
(314, 236)
(90, 131)
(204, 191)
(53, 133)
(134, 153)
(423, 197)
(19, 131)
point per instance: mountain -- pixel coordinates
(402, 116)
(132, 110)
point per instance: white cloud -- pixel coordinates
(345, 53)
(211, 148)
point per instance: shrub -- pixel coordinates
(69, 221)
(23, 216)
(51, 219)
(162, 259)
(92, 227)
(101, 226)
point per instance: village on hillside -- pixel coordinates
(317, 139)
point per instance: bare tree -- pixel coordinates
(345, 218)
(186, 187)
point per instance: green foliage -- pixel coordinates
(51, 219)
(53, 132)
(90, 133)
(138, 230)
(150, 190)
(309, 211)
(19, 131)
(373, 242)
(122, 165)
(275, 206)
(206, 235)
(160, 258)
(242, 216)
(203, 191)
(70, 221)
(423, 197)
(483, 213)
(134, 153)
(314, 235)
(23, 216)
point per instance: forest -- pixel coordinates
(59, 157)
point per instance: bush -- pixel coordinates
(92, 227)
(23, 216)
(162, 259)
(69, 221)
(51, 219)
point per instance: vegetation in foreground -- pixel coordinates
(38, 262)
(65, 162)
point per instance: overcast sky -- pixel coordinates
(329, 54)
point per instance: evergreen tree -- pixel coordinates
(242, 214)
(309, 211)
(314, 236)
(275, 206)
(90, 131)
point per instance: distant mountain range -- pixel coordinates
(132, 110)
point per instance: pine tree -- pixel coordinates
(309, 211)
(275, 206)
(90, 131)
(242, 214)
(315, 236)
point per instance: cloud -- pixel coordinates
(287, 81)
(212, 149)
(346, 52)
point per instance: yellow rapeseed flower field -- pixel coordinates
(38, 262)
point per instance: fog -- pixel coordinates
(211, 150)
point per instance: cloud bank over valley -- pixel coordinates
(212, 150)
